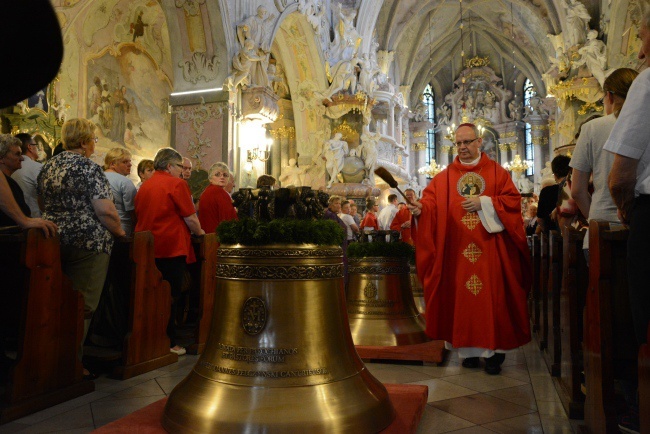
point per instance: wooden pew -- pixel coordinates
(609, 343)
(575, 279)
(146, 345)
(206, 254)
(534, 293)
(49, 315)
(552, 354)
(543, 292)
(644, 385)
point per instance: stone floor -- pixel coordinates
(520, 400)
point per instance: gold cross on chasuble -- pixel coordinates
(472, 253)
(471, 220)
(474, 284)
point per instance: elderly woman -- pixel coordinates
(215, 204)
(145, 171)
(164, 206)
(117, 166)
(11, 160)
(76, 195)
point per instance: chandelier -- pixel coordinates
(431, 170)
(517, 165)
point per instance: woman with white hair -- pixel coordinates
(215, 204)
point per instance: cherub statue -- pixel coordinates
(420, 112)
(515, 110)
(291, 175)
(444, 114)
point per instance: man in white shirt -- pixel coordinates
(386, 215)
(629, 184)
(347, 218)
(27, 174)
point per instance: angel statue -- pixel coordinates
(420, 113)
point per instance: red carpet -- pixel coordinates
(430, 352)
(408, 400)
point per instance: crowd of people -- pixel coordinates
(90, 207)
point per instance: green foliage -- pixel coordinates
(249, 232)
(391, 250)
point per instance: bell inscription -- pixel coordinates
(253, 318)
(256, 355)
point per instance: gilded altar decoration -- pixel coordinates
(471, 220)
(472, 253)
(477, 62)
(590, 106)
(474, 284)
(471, 185)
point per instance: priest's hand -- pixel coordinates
(415, 207)
(473, 204)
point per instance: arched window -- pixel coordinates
(428, 101)
(529, 149)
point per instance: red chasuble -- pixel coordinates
(475, 283)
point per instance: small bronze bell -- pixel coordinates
(380, 303)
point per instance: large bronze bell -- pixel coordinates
(418, 290)
(280, 357)
(380, 301)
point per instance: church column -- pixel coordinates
(539, 135)
(391, 119)
(445, 150)
(201, 128)
(419, 146)
(503, 153)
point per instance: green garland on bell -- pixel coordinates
(249, 232)
(391, 250)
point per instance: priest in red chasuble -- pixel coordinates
(472, 256)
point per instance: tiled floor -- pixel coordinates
(520, 400)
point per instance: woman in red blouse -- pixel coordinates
(215, 204)
(370, 220)
(164, 206)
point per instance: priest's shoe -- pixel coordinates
(493, 364)
(471, 362)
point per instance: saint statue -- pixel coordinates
(368, 151)
(334, 153)
(593, 57)
(249, 67)
(577, 22)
